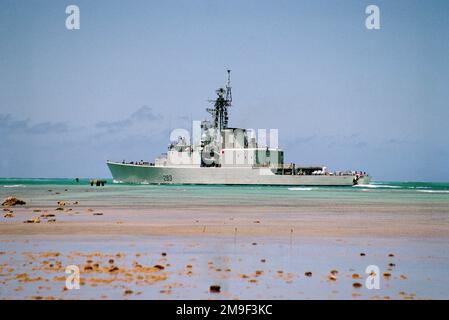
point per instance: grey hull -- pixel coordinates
(145, 174)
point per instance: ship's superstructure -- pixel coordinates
(219, 154)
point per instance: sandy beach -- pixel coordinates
(135, 243)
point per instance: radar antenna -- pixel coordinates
(221, 105)
(228, 88)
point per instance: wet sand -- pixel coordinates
(243, 268)
(368, 220)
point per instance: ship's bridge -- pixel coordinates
(240, 149)
(234, 147)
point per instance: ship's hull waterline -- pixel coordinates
(146, 174)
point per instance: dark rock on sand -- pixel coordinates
(33, 220)
(214, 288)
(47, 215)
(332, 278)
(12, 201)
(113, 269)
(158, 266)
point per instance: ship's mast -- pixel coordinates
(228, 88)
(221, 105)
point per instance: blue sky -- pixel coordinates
(340, 94)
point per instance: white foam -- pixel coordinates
(300, 189)
(14, 186)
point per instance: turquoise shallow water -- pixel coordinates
(41, 191)
(68, 182)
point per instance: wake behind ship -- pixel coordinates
(220, 154)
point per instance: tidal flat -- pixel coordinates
(218, 242)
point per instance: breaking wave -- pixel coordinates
(300, 189)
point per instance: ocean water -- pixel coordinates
(43, 191)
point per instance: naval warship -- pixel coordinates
(219, 154)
